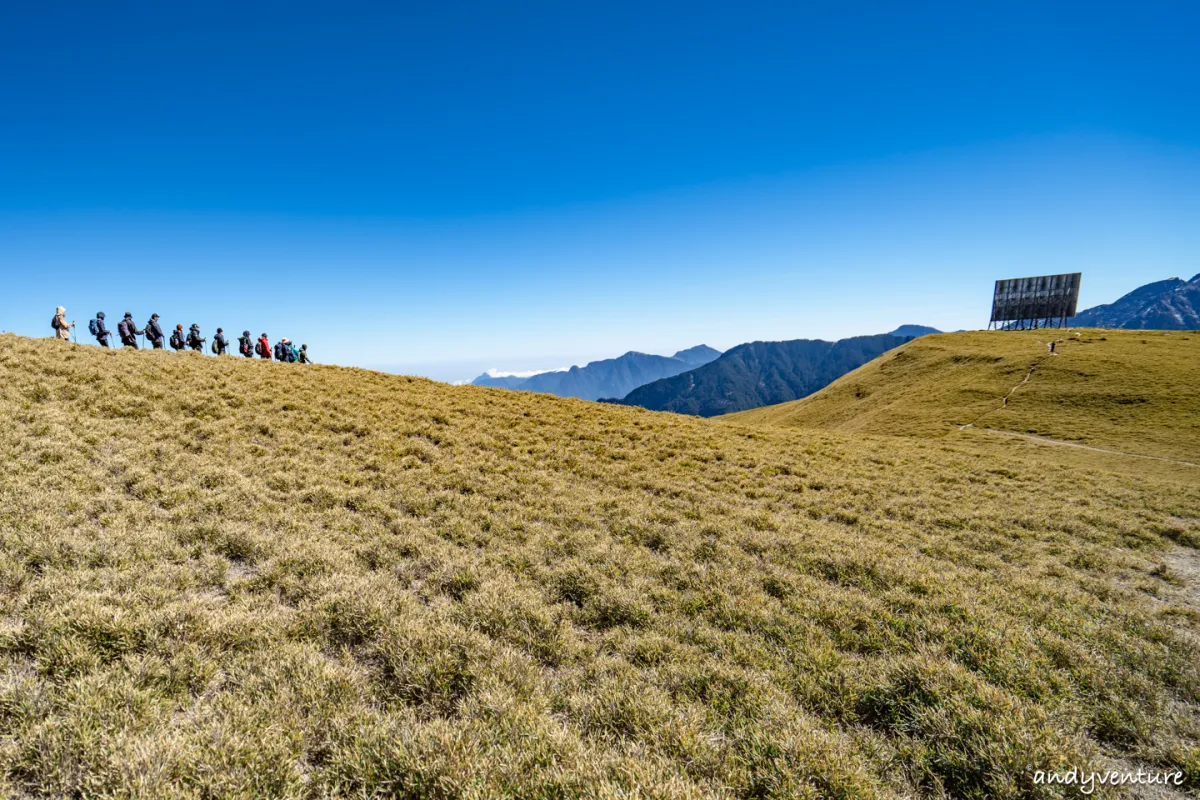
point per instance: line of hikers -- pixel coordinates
(127, 331)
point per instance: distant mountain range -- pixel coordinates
(502, 381)
(913, 331)
(1173, 305)
(762, 373)
(612, 377)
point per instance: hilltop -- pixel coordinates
(1125, 390)
(758, 374)
(230, 578)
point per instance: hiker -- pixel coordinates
(293, 353)
(280, 350)
(177, 342)
(128, 332)
(97, 329)
(219, 344)
(154, 332)
(1052, 347)
(195, 340)
(263, 348)
(302, 356)
(62, 328)
(245, 346)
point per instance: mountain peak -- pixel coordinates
(1172, 304)
(913, 330)
(699, 355)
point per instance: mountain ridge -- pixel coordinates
(758, 374)
(606, 377)
(1171, 304)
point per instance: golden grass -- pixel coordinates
(222, 578)
(1135, 391)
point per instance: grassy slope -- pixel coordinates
(222, 578)
(1134, 391)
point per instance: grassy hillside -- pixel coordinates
(1135, 391)
(222, 578)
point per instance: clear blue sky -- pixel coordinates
(528, 184)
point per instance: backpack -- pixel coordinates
(94, 327)
(258, 348)
(279, 351)
(54, 322)
(216, 350)
(177, 339)
(123, 330)
(244, 346)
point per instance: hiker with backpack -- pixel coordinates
(195, 340)
(302, 356)
(219, 344)
(283, 351)
(154, 333)
(293, 353)
(62, 328)
(177, 342)
(128, 332)
(97, 329)
(263, 348)
(245, 345)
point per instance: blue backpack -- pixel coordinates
(94, 327)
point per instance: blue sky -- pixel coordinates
(447, 187)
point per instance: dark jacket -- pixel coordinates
(246, 345)
(221, 343)
(154, 333)
(102, 333)
(128, 331)
(195, 340)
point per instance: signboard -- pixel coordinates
(1042, 302)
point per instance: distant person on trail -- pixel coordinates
(195, 340)
(1052, 346)
(98, 330)
(219, 343)
(245, 345)
(128, 332)
(177, 342)
(62, 328)
(302, 356)
(263, 348)
(154, 333)
(293, 353)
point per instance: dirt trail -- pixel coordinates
(1003, 400)
(1060, 443)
